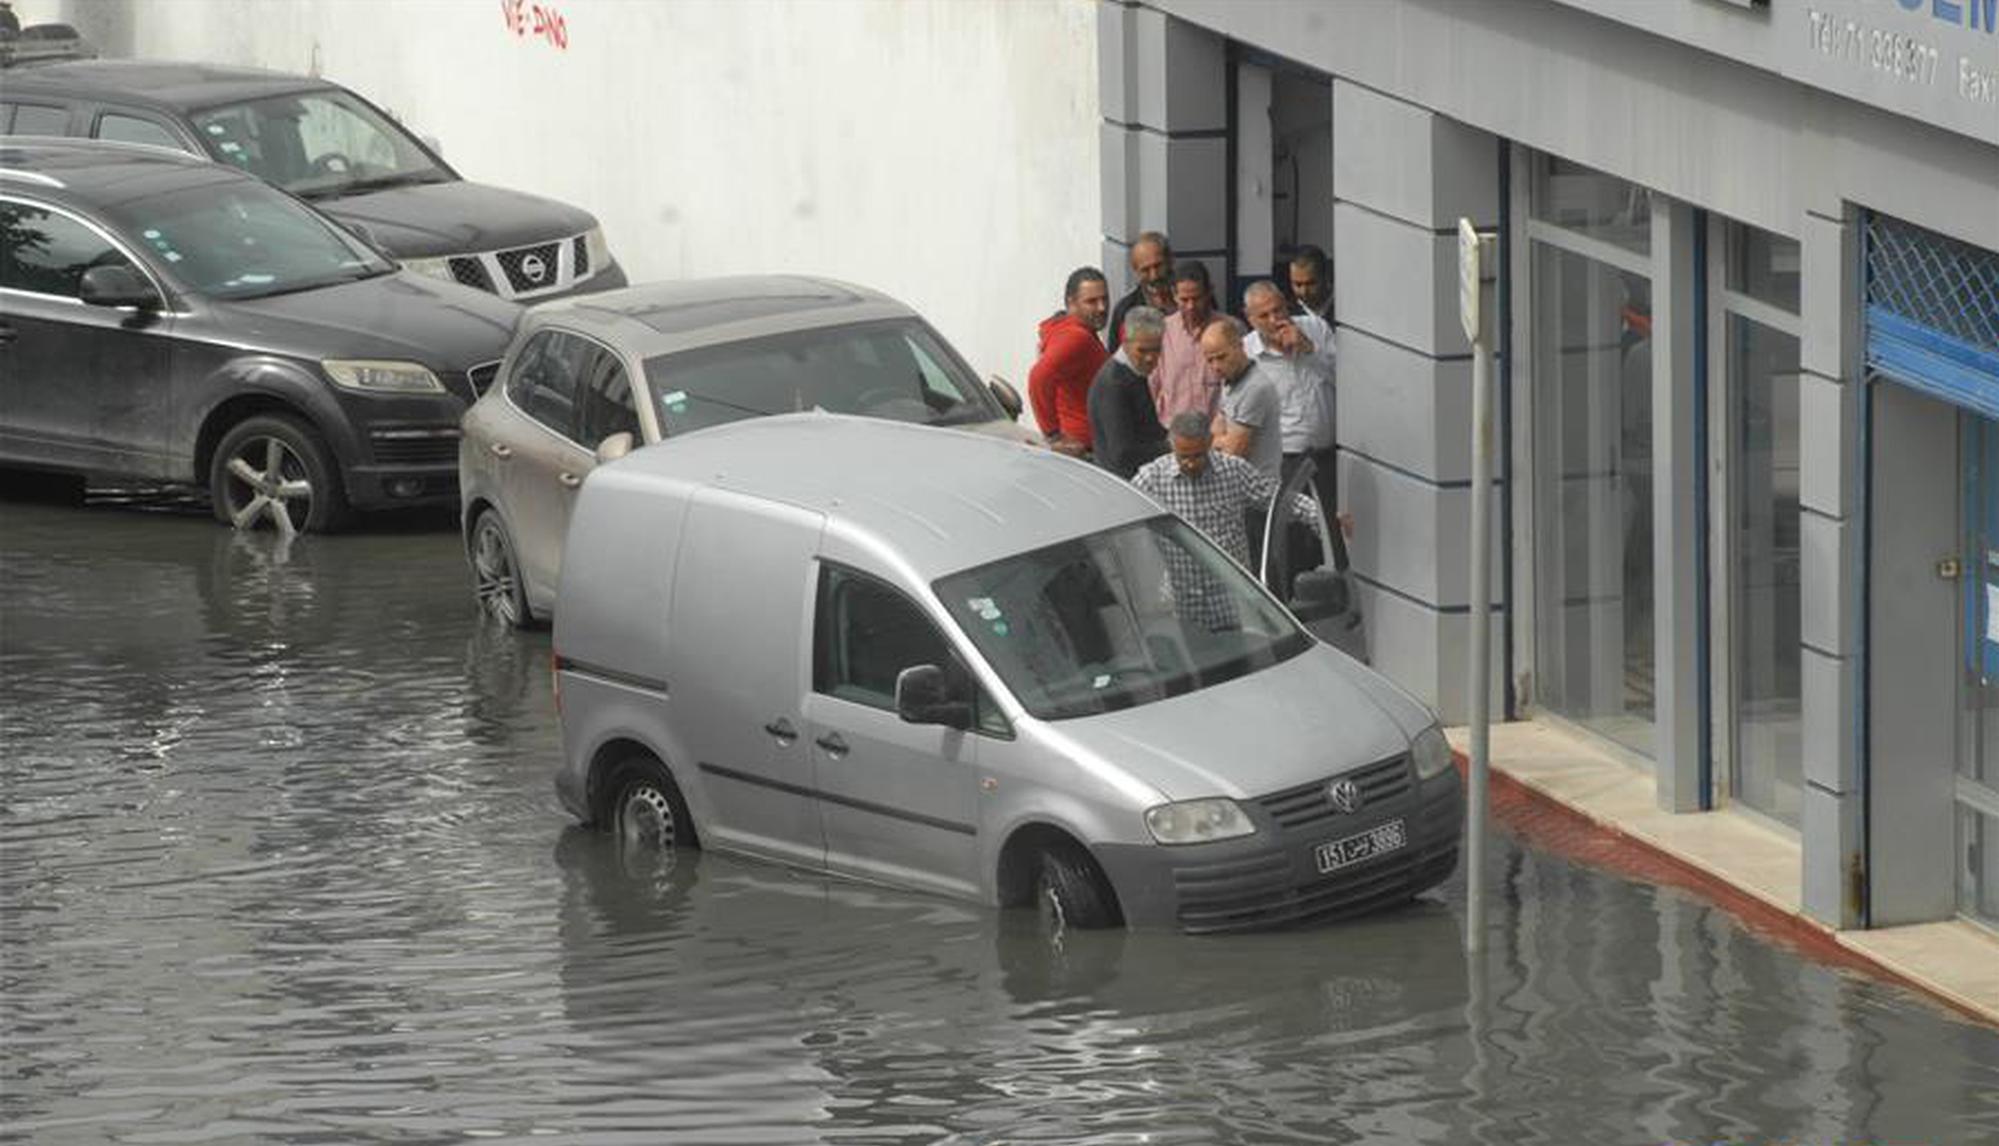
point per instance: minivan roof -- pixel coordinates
(941, 500)
(668, 317)
(168, 84)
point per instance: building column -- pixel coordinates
(1677, 623)
(1829, 479)
(1402, 177)
(1163, 88)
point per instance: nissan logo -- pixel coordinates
(1345, 795)
(534, 268)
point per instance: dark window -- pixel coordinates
(39, 119)
(47, 253)
(605, 405)
(866, 633)
(544, 381)
(132, 129)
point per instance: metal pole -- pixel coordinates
(1481, 640)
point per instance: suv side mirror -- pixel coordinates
(118, 286)
(1318, 594)
(1005, 395)
(923, 695)
(614, 447)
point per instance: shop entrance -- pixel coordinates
(1978, 697)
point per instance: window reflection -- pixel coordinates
(1769, 758)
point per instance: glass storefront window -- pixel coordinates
(1593, 204)
(1765, 613)
(1762, 266)
(1593, 512)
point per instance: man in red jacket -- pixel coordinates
(1059, 385)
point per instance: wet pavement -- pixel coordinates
(280, 862)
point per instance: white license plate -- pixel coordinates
(1378, 840)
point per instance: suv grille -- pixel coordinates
(580, 253)
(532, 268)
(468, 271)
(1307, 804)
(415, 447)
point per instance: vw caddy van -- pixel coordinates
(937, 660)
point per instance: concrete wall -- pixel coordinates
(944, 152)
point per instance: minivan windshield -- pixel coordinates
(242, 239)
(316, 144)
(897, 369)
(1119, 618)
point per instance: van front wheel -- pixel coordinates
(647, 809)
(1069, 891)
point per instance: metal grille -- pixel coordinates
(522, 263)
(580, 255)
(1307, 803)
(427, 450)
(468, 270)
(1934, 280)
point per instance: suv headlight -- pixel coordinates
(375, 377)
(438, 268)
(1431, 752)
(1197, 821)
(597, 249)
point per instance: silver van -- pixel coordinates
(936, 660)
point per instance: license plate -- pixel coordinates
(1378, 840)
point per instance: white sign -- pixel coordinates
(1991, 612)
(1468, 276)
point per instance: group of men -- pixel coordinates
(1207, 417)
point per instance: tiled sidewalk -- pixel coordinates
(1956, 961)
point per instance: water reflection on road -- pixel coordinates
(279, 862)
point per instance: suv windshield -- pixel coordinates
(1119, 618)
(243, 240)
(897, 369)
(316, 144)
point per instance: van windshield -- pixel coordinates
(896, 369)
(1119, 618)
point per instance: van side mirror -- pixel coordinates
(923, 695)
(1318, 594)
(614, 447)
(1005, 395)
(118, 286)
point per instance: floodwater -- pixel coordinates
(280, 863)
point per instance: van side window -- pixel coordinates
(544, 380)
(866, 633)
(47, 253)
(39, 119)
(605, 405)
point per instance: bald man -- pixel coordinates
(1247, 420)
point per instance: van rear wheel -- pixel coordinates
(1069, 892)
(647, 809)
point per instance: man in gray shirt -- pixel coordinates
(1247, 423)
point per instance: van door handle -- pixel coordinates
(569, 479)
(834, 745)
(782, 731)
(501, 450)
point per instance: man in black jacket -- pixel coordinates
(1123, 420)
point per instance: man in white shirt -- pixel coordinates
(1296, 352)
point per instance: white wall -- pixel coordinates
(944, 151)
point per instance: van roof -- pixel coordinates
(680, 314)
(942, 500)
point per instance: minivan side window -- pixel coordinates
(544, 381)
(47, 253)
(132, 129)
(604, 402)
(865, 633)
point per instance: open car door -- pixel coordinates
(1304, 562)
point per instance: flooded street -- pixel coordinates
(280, 862)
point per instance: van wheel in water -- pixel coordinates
(1069, 892)
(646, 808)
(496, 576)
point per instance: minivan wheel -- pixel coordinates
(496, 576)
(646, 808)
(1069, 892)
(273, 470)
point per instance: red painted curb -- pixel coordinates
(1550, 825)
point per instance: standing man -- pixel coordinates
(1183, 380)
(1123, 423)
(1067, 359)
(1296, 352)
(1311, 283)
(1152, 275)
(1247, 420)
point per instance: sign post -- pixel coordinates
(1471, 259)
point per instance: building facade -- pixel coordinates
(1748, 334)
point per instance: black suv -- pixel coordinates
(332, 148)
(163, 317)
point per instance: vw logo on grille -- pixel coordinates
(534, 269)
(1345, 795)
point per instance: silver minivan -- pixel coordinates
(937, 660)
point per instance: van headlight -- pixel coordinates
(439, 268)
(371, 376)
(1431, 752)
(1197, 821)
